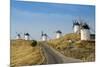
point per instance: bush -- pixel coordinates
(34, 43)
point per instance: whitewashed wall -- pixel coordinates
(85, 34)
(76, 29)
(26, 37)
(18, 37)
(44, 38)
(58, 35)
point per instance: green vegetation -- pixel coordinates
(25, 53)
(71, 46)
(34, 43)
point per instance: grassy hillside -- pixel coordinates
(64, 40)
(22, 53)
(71, 46)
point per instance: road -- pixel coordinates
(55, 57)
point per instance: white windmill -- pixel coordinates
(18, 36)
(27, 36)
(85, 32)
(44, 36)
(76, 27)
(58, 34)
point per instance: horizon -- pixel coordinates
(35, 17)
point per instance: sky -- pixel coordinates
(34, 17)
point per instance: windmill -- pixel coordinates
(81, 27)
(44, 36)
(18, 36)
(26, 36)
(85, 32)
(76, 26)
(58, 34)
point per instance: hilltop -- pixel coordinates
(71, 46)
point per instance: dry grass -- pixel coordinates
(22, 53)
(84, 50)
(62, 42)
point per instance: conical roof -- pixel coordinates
(75, 23)
(85, 26)
(44, 34)
(27, 34)
(18, 35)
(58, 31)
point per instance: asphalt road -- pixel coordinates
(55, 57)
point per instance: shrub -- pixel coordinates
(34, 43)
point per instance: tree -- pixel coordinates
(34, 43)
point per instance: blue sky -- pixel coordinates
(34, 17)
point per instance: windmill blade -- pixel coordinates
(91, 28)
(41, 34)
(31, 37)
(17, 33)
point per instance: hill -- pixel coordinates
(23, 53)
(71, 46)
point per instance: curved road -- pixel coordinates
(55, 57)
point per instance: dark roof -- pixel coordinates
(75, 22)
(18, 35)
(27, 34)
(85, 26)
(44, 34)
(58, 31)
